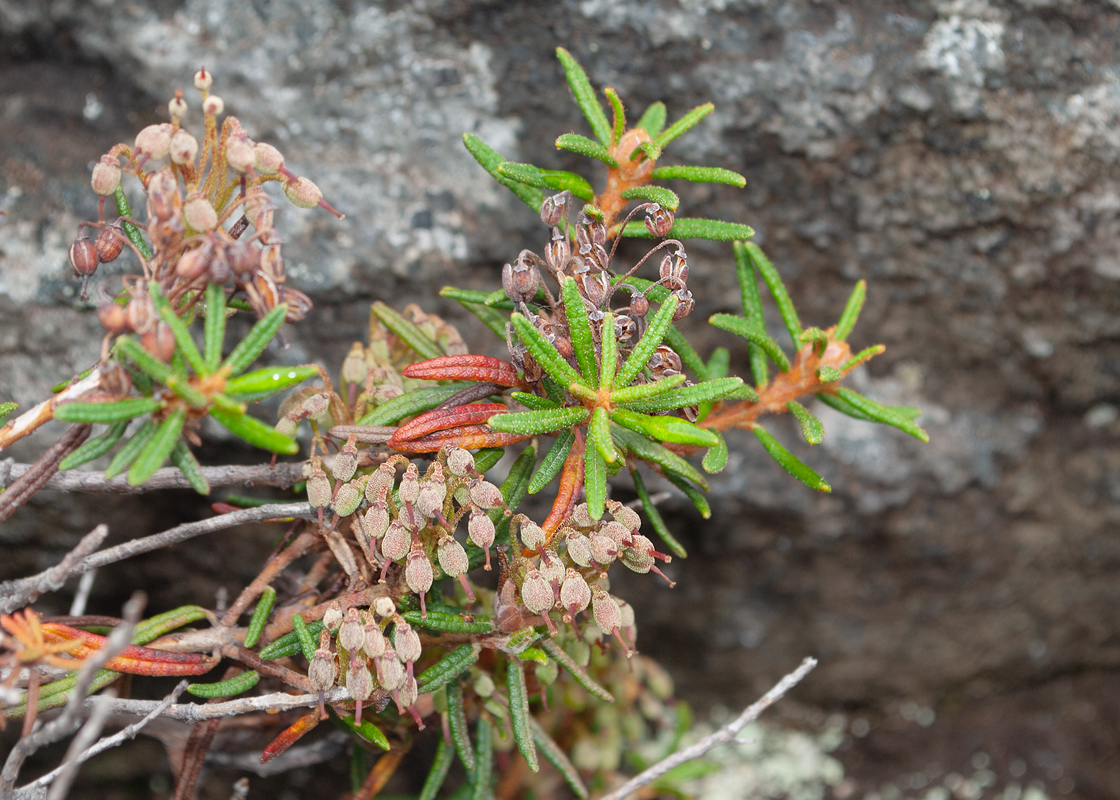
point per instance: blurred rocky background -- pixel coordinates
(963, 596)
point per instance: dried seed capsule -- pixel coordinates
(164, 199)
(303, 193)
(603, 548)
(322, 672)
(625, 329)
(154, 141)
(624, 514)
(410, 485)
(354, 367)
(333, 616)
(552, 568)
(113, 317)
(159, 341)
(375, 640)
(244, 261)
(411, 518)
(521, 279)
(346, 462)
(532, 535)
(639, 305)
(359, 682)
(579, 548)
(109, 243)
(408, 693)
(582, 517)
(557, 251)
(267, 159)
(659, 221)
(485, 495)
(394, 545)
(685, 306)
(575, 594)
(347, 498)
(318, 486)
(376, 520)
(480, 529)
(240, 155)
(608, 616)
(552, 209)
(418, 574)
(452, 557)
(83, 257)
(316, 406)
(618, 532)
(433, 491)
(390, 671)
(199, 213)
(596, 288)
(384, 606)
(406, 642)
(379, 486)
(351, 634)
(536, 593)
(106, 176)
(459, 461)
(183, 148)
(213, 105)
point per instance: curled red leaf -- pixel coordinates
(442, 419)
(466, 368)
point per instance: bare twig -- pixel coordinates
(68, 720)
(52, 579)
(14, 594)
(29, 421)
(197, 712)
(36, 475)
(724, 735)
(281, 476)
(85, 738)
(81, 595)
(116, 739)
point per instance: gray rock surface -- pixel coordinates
(963, 156)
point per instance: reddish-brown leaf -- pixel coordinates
(571, 484)
(469, 437)
(133, 659)
(465, 368)
(290, 736)
(442, 419)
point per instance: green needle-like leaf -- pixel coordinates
(255, 432)
(777, 290)
(639, 445)
(666, 429)
(181, 385)
(487, 457)
(94, 448)
(619, 114)
(157, 450)
(578, 673)
(601, 426)
(128, 454)
(183, 458)
(693, 494)
(665, 198)
(214, 329)
(262, 383)
(553, 460)
(863, 355)
(480, 779)
(740, 327)
(684, 123)
(543, 351)
(579, 328)
(6, 409)
(694, 228)
(653, 119)
(547, 420)
(649, 149)
(131, 349)
(558, 758)
(706, 392)
(448, 668)
(257, 622)
(649, 342)
(789, 462)
(519, 713)
(368, 731)
(716, 457)
(594, 476)
(585, 97)
(533, 401)
(130, 230)
(475, 297)
(411, 335)
(256, 340)
(881, 413)
(105, 413)
(816, 336)
(829, 374)
(699, 175)
(438, 773)
(586, 147)
(641, 392)
(654, 516)
(608, 355)
(752, 312)
(179, 331)
(457, 722)
(851, 311)
(490, 159)
(554, 179)
(304, 636)
(811, 427)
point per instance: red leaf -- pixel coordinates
(465, 368)
(290, 736)
(469, 437)
(133, 659)
(442, 419)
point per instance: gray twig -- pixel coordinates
(15, 594)
(27, 590)
(85, 738)
(78, 480)
(38, 474)
(70, 717)
(198, 712)
(724, 735)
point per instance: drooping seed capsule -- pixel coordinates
(267, 159)
(333, 616)
(318, 486)
(582, 517)
(536, 594)
(625, 329)
(316, 406)
(552, 568)
(375, 640)
(418, 575)
(346, 461)
(485, 495)
(395, 542)
(359, 682)
(322, 672)
(618, 532)
(557, 251)
(552, 209)
(532, 535)
(407, 695)
(106, 176)
(384, 606)
(433, 491)
(452, 557)
(459, 461)
(376, 520)
(480, 529)
(351, 634)
(390, 671)
(159, 341)
(109, 243)
(579, 548)
(603, 548)
(153, 142)
(625, 515)
(347, 497)
(521, 279)
(410, 485)
(84, 260)
(239, 154)
(354, 366)
(608, 616)
(406, 642)
(659, 221)
(379, 486)
(575, 594)
(183, 148)
(639, 305)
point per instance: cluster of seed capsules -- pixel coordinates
(201, 199)
(589, 264)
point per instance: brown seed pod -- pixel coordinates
(83, 257)
(659, 221)
(685, 306)
(552, 209)
(109, 242)
(159, 341)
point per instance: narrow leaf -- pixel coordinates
(6, 409)
(641, 392)
(490, 159)
(865, 354)
(94, 448)
(533, 401)
(720, 362)
(105, 413)
(881, 413)
(131, 349)
(260, 616)
(558, 758)
(816, 336)
(649, 342)
(448, 622)
(851, 311)
(289, 645)
(706, 392)
(665, 198)
(130, 230)
(649, 149)
(640, 446)
(408, 332)
(183, 458)
(752, 311)
(409, 404)
(742, 327)
(529, 423)
(585, 97)
(543, 351)
(811, 427)
(127, 454)
(480, 778)
(666, 429)
(255, 432)
(684, 123)
(227, 688)
(653, 119)
(262, 383)
(519, 713)
(693, 494)
(789, 462)
(586, 147)
(694, 228)
(457, 722)
(575, 670)
(368, 731)
(553, 460)
(555, 179)
(777, 290)
(601, 427)
(608, 351)
(304, 636)
(579, 328)
(157, 450)
(180, 384)
(214, 329)
(448, 668)
(256, 340)
(487, 457)
(619, 117)
(438, 773)
(716, 457)
(154, 627)
(594, 476)
(699, 175)
(475, 297)
(829, 374)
